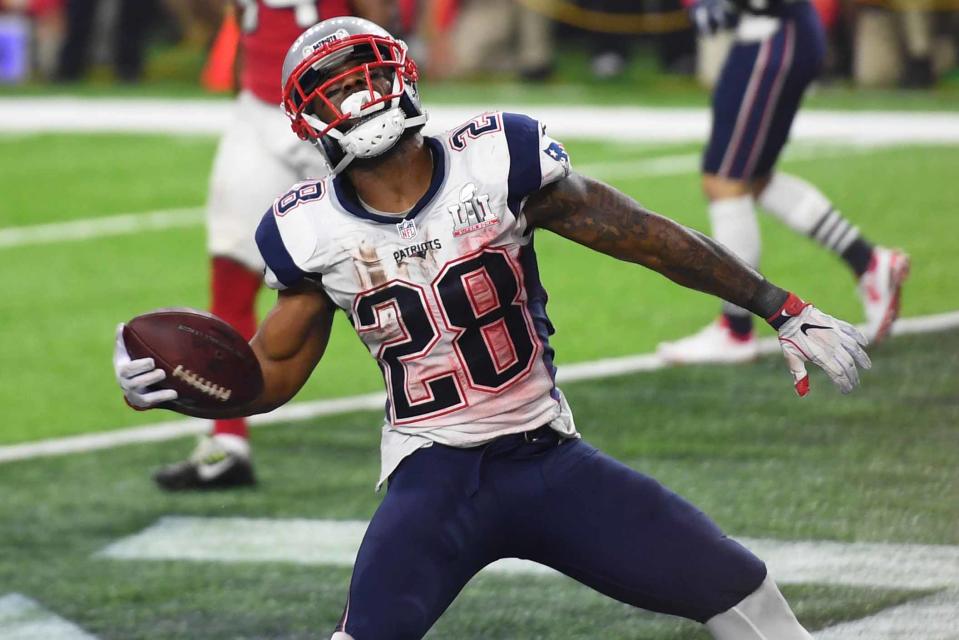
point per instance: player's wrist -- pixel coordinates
(791, 307)
(767, 300)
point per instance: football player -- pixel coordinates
(255, 159)
(426, 243)
(777, 53)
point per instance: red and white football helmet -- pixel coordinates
(378, 120)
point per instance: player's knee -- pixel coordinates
(718, 188)
(796, 202)
(339, 635)
(762, 614)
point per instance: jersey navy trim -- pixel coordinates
(274, 252)
(536, 304)
(525, 174)
(346, 195)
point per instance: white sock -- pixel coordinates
(762, 615)
(735, 226)
(804, 208)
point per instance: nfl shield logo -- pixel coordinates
(407, 229)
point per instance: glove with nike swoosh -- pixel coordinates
(136, 376)
(806, 334)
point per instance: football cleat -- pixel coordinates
(218, 462)
(880, 288)
(716, 343)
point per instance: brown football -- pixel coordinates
(208, 363)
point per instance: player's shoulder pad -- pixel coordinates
(535, 159)
(286, 237)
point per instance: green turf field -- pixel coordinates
(63, 299)
(877, 466)
(867, 467)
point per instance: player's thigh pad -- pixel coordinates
(258, 159)
(424, 543)
(625, 535)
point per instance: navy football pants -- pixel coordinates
(759, 92)
(450, 512)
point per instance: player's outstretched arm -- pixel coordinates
(600, 217)
(288, 346)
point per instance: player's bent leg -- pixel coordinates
(423, 544)
(339, 635)
(762, 615)
(629, 537)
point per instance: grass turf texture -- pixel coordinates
(866, 467)
(62, 300)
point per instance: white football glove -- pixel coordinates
(134, 376)
(809, 335)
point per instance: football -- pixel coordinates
(208, 363)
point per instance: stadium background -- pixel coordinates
(98, 224)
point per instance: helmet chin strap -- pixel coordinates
(374, 136)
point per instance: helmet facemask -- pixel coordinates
(365, 122)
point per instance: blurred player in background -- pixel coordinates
(256, 159)
(426, 243)
(778, 51)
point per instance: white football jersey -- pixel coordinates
(447, 297)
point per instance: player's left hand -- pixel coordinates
(135, 377)
(809, 335)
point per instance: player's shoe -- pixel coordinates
(218, 462)
(714, 344)
(880, 288)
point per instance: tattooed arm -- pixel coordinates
(597, 216)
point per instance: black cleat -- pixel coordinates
(218, 462)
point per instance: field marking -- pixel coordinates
(933, 618)
(335, 542)
(100, 227)
(130, 223)
(623, 123)
(22, 618)
(298, 411)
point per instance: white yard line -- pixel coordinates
(211, 117)
(22, 618)
(91, 228)
(130, 223)
(298, 411)
(933, 618)
(335, 542)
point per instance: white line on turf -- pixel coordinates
(334, 543)
(298, 411)
(626, 123)
(129, 223)
(89, 228)
(22, 618)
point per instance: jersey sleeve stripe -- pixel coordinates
(525, 174)
(274, 252)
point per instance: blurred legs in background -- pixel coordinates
(127, 27)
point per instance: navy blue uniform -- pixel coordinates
(450, 511)
(449, 301)
(759, 91)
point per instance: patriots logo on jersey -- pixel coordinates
(556, 151)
